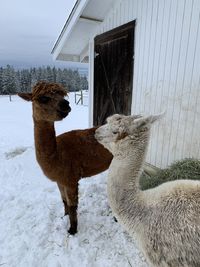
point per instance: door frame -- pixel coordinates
(105, 37)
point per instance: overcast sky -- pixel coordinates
(29, 30)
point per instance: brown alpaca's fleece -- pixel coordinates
(84, 149)
(72, 155)
(41, 88)
(68, 157)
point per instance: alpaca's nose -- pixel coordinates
(64, 105)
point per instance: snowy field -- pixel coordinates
(32, 230)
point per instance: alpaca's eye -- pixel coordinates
(115, 132)
(44, 99)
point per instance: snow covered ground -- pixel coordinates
(32, 230)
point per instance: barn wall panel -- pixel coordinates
(166, 72)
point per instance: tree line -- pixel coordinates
(13, 81)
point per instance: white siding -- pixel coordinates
(166, 72)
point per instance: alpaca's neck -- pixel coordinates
(126, 198)
(45, 142)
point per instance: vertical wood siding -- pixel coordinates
(166, 72)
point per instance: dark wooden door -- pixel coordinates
(113, 72)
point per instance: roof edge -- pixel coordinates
(65, 25)
(80, 4)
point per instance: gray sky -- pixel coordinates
(29, 29)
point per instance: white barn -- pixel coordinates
(144, 57)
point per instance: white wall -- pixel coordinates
(166, 72)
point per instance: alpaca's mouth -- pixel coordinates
(98, 137)
(64, 114)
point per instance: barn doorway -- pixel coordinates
(113, 72)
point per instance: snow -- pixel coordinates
(32, 230)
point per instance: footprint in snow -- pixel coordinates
(15, 152)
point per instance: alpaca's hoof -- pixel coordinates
(72, 231)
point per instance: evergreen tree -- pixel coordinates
(17, 81)
(8, 80)
(33, 75)
(25, 81)
(54, 73)
(49, 74)
(84, 83)
(12, 81)
(1, 76)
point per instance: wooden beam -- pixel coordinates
(89, 19)
(150, 169)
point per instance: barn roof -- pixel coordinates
(83, 22)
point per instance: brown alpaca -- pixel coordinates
(68, 157)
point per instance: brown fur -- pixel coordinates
(42, 88)
(68, 157)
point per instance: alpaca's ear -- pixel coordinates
(147, 121)
(26, 96)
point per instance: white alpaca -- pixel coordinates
(165, 220)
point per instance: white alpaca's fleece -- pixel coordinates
(165, 220)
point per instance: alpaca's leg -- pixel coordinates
(64, 199)
(72, 202)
